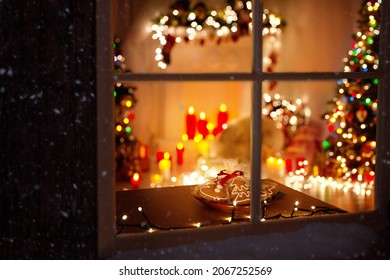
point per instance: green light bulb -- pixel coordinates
(326, 144)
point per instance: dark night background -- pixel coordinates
(48, 130)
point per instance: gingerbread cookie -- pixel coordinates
(239, 190)
(212, 191)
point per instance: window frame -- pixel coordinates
(109, 242)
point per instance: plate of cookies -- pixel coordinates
(229, 189)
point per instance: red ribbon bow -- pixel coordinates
(227, 176)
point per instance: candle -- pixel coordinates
(155, 179)
(202, 125)
(165, 165)
(275, 167)
(159, 156)
(184, 137)
(135, 179)
(222, 119)
(191, 123)
(142, 151)
(143, 156)
(179, 153)
(222, 115)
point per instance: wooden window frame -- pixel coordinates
(109, 242)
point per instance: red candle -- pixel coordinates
(222, 119)
(222, 115)
(202, 125)
(135, 179)
(191, 123)
(159, 156)
(179, 152)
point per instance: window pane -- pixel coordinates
(193, 115)
(317, 35)
(330, 139)
(307, 38)
(183, 36)
(170, 147)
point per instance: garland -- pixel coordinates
(199, 22)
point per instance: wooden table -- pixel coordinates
(176, 207)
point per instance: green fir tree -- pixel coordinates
(351, 145)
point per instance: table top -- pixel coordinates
(176, 207)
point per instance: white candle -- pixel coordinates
(164, 166)
(275, 168)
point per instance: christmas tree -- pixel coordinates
(126, 152)
(351, 145)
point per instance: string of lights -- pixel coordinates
(150, 227)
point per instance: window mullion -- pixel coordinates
(257, 17)
(382, 155)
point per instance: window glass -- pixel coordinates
(298, 36)
(330, 138)
(189, 36)
(317, 35)
(187, 122)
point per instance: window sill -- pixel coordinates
(343, 236)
